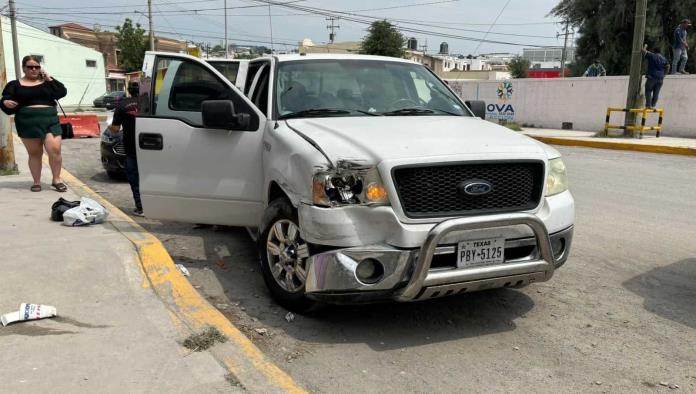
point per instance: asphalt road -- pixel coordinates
(620, 316)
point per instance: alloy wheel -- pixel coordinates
(287, 255)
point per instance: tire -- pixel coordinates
(284, 257)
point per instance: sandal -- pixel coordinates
(60, 187)
(35, 188)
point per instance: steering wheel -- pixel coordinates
(404, 103)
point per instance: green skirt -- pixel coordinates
(36, 122)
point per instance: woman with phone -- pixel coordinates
(32, 99)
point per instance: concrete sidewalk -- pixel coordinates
(649, 143)
(113, 333)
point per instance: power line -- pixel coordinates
(356, 18)
(113, 6)
(493, 24)
(178, 29)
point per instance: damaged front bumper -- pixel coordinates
(415, 274)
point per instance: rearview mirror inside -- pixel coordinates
(220, 114)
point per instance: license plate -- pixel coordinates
(481, 252)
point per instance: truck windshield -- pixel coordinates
(361, 88)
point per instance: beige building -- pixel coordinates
(308, 46)
(105, 42)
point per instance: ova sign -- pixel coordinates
(502, 110)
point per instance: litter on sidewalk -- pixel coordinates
(183, 270)
(88, 212)
(29, 312)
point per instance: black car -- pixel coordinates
(109, 100)
(113, 154)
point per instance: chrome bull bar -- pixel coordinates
(422, 278)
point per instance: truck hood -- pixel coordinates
(374, 139)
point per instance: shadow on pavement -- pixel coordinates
(402, 325)
(669, 292)
(390, 325)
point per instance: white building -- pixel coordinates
(79, 68)
(548, 57)
(477, 63)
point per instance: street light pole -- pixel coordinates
(226, 47)
(564, 54)
(149, 18)
(634, 82)
(15, 44)
(7, 158)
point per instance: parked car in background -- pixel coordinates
(109, 100)
(113, 153)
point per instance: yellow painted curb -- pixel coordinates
(247, 363)
(670, 150)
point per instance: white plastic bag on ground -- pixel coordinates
(89, 212)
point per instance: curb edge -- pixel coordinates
(670, 150)
(247, 363)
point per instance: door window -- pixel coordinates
(260, 94)
(181, 86)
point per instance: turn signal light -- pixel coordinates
(376, 193)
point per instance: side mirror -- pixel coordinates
(477, 107)
(220, 114)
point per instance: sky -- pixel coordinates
(518, 22)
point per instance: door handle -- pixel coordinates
(150, 141)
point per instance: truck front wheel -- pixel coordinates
(284, 257)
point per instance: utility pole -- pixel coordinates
(564, 53)
(15, 44)
(149, 18)
(332, 27)
(226, 47)
(7, 158)
(635, 79)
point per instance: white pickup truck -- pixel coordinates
(366, 178)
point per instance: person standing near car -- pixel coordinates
(124, 117)
(32, 100)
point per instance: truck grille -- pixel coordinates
(119, 149)
(436, 191)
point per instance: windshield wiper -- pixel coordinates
(315, 112)
(448, 112)
(367, 112)
(409, 111)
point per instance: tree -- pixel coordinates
(133, 43)
(383, 39)
(606, 29)
(518, 67)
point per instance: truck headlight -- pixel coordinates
(345, 187)
(557, 180)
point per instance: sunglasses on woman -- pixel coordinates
(33, 67)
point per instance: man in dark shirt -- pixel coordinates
(124, 117)
(680, 48)
(657, 67)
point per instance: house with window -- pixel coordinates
(105, 42)
(81, 69)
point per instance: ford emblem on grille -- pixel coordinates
(475, 187)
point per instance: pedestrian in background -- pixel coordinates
(596, 69)
(124, 117)
(680, 48)
(657, 67)
(32, 100)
